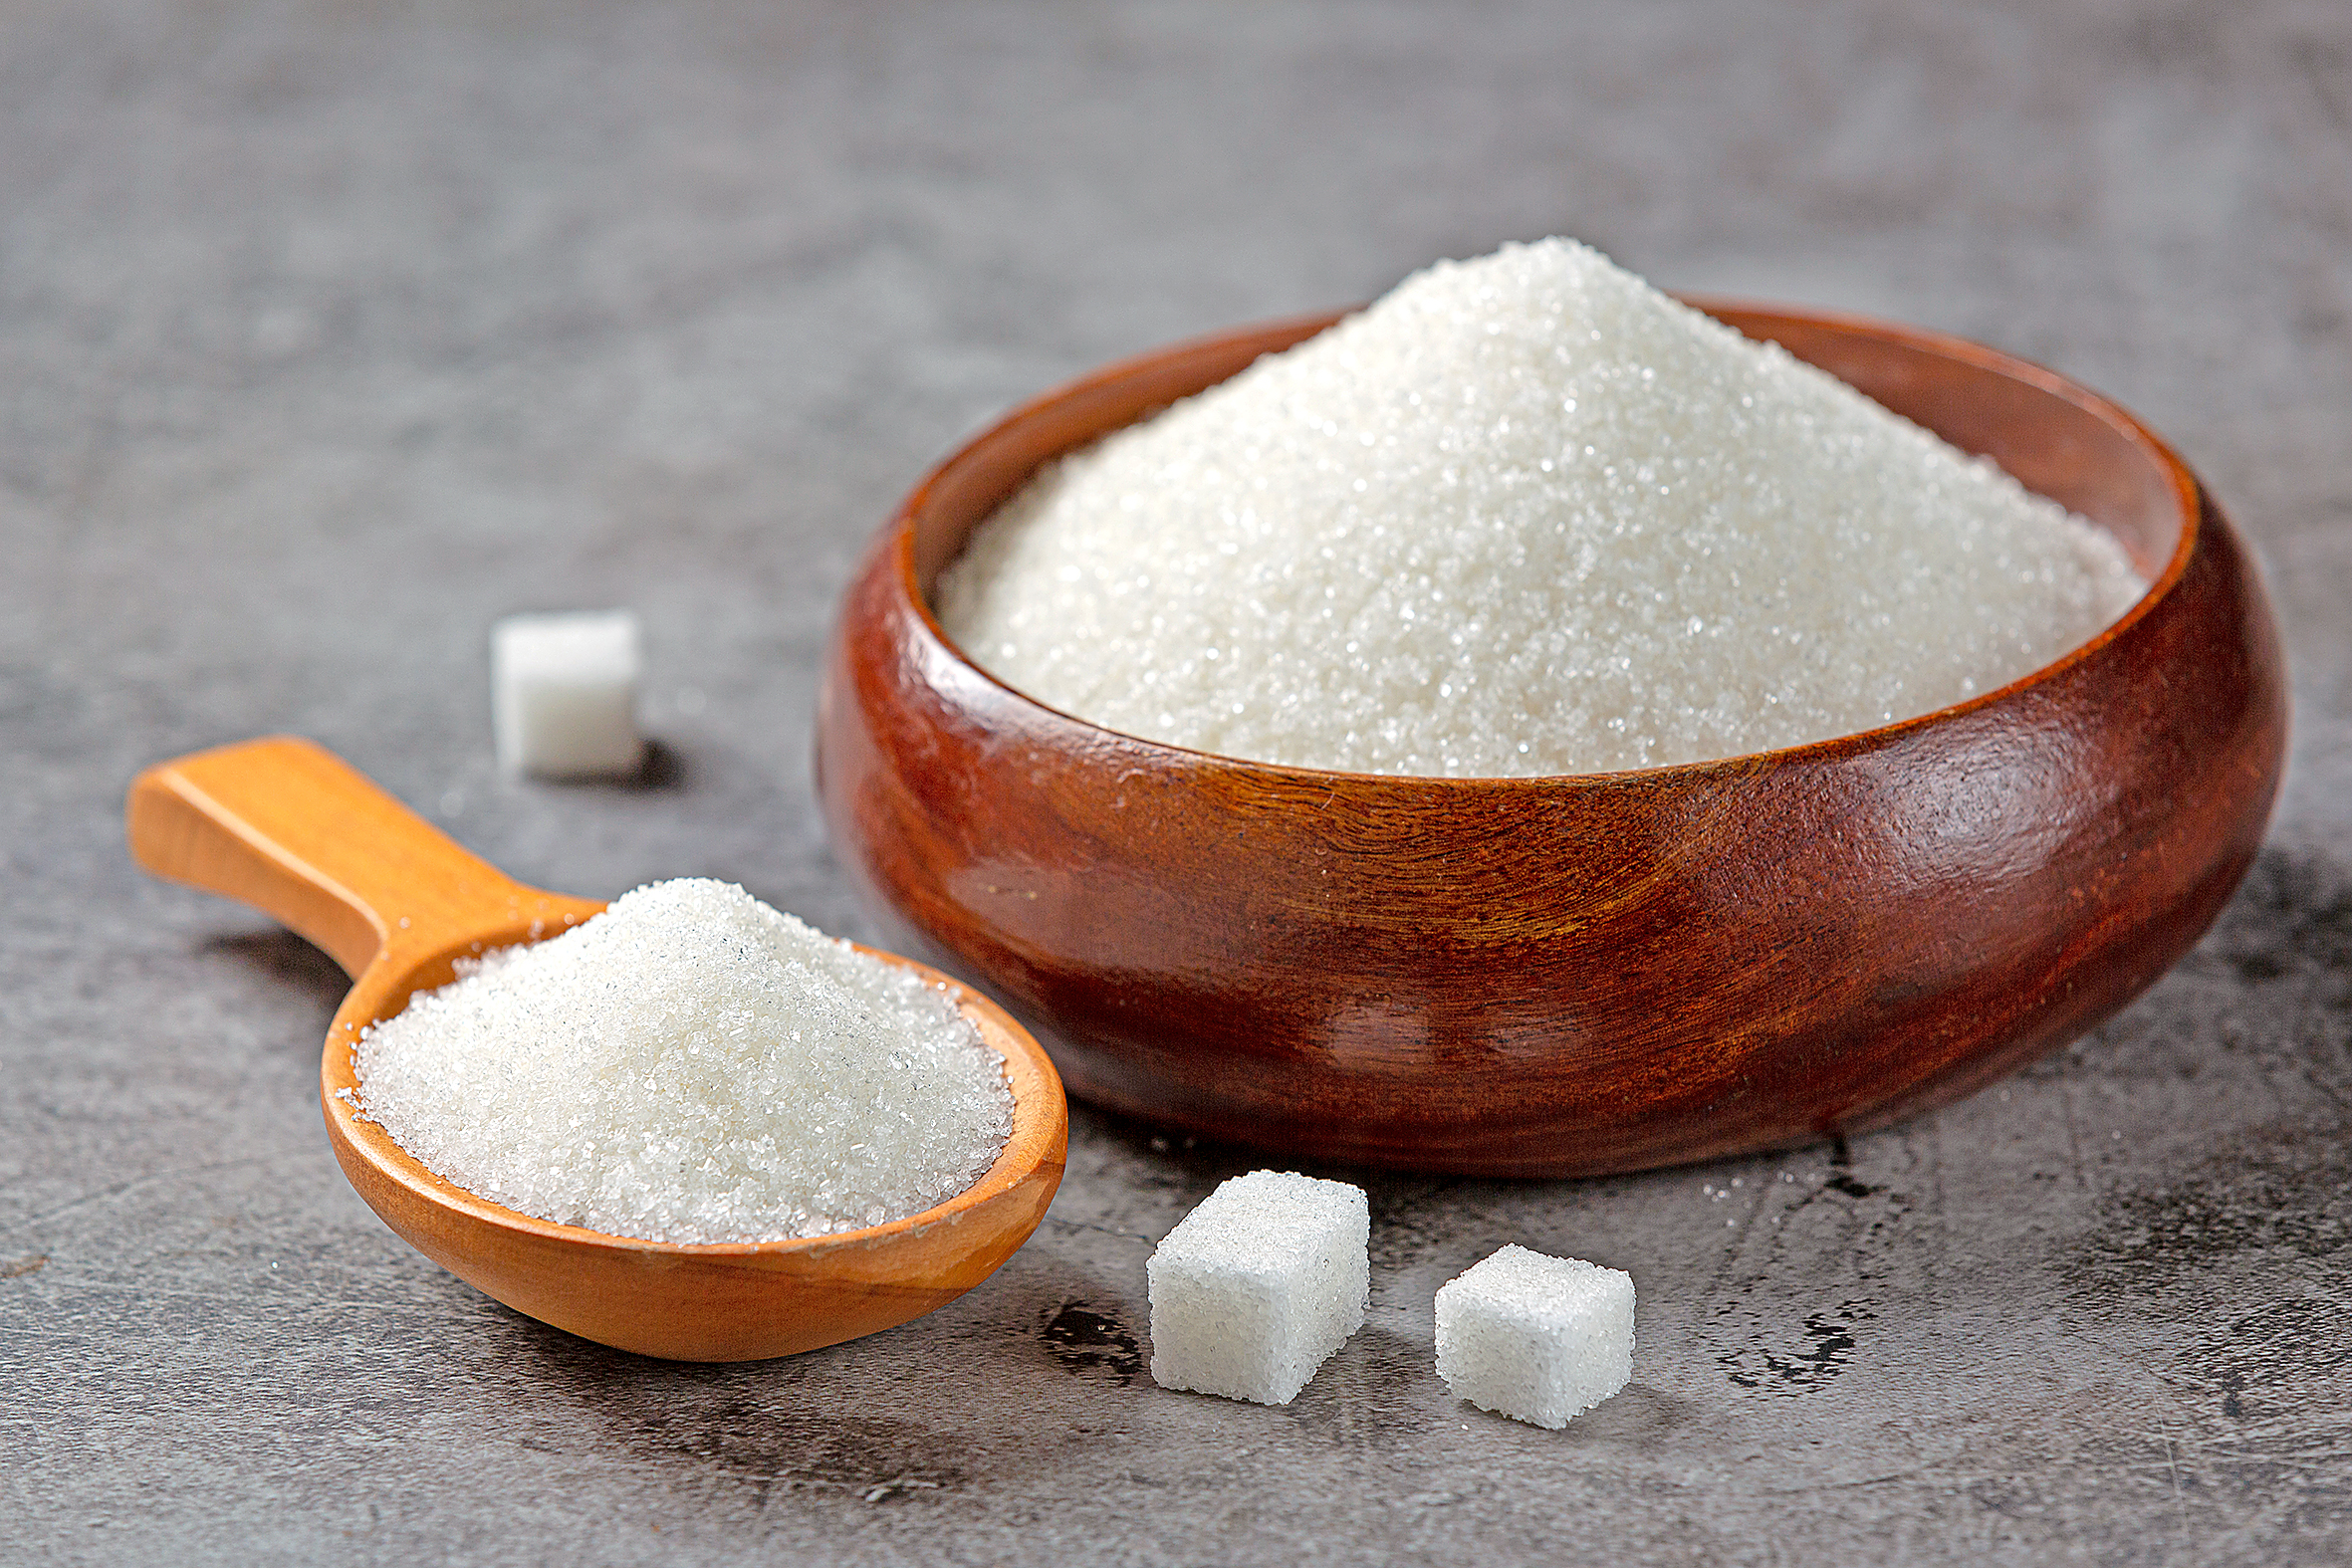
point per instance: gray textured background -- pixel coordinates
(329, 333)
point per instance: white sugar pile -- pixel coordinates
(1526, 514)
(691, 1065)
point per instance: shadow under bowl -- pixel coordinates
(1568, 976)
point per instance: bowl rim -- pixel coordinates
(2188, 494)
(1029, 1144)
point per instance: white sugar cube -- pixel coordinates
(564, 694)
(1537, 1338)
(1258, 1286)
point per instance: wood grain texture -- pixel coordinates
(286, 826)
(1578, 974)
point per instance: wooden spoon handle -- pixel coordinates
(286, 825)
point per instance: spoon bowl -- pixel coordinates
(286, 826)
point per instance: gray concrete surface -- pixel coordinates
(330, 332)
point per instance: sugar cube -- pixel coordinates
(1258, 1286)
(564, 694)
(1533, 1337)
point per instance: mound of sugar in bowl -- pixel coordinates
(1258, 1286)
(691, 1065)
(1526, 514)
(1537, 1338)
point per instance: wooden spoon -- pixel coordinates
(289, 828)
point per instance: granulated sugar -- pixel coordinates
(691, 1065)
(1526, 514)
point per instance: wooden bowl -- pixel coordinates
(1557, 977)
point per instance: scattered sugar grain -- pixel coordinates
(1524, 516)
(1537, 1338)
(1258, 1286)
(691, 1065)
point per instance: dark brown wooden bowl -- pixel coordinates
(1554, 977)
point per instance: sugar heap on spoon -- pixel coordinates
(691, 1067)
